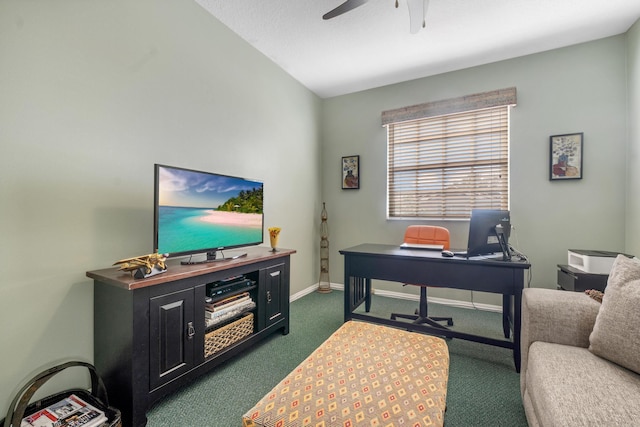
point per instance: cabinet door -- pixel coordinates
(171, 336)
(275, 296)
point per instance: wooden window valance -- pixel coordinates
(476, 101)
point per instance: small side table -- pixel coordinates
(572, 279)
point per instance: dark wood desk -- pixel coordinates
(365, 262)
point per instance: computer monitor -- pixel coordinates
(489, 231)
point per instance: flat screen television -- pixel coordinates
(487, 228)
(203, 212)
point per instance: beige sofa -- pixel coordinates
(580, 358)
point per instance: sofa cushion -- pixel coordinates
(616, 333)
(570, 386)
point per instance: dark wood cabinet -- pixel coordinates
(172, 334)
(276, 294)
(150, 334)
(572, 279)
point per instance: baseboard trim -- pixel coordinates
(304, 292)
(402, 295)
(443, 301)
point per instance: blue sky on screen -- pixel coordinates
(179, 187)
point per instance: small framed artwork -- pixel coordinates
(350, 172)
(566, 156)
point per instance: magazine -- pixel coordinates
(69, 412)
(237, 308)
(221, 317)
(227, 302)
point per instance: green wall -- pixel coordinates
(92, 94)
(582, 88)
(632, 232)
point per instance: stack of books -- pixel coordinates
(69, 412)
(227, 308)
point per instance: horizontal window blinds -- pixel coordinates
(444, 166)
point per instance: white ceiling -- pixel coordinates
(371, 46)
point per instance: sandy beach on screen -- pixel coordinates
(233, 218)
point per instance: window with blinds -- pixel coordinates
(445, 165)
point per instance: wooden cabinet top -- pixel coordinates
(176, 271)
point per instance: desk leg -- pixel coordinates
(357, 290)
(506, 315)
(347, 300)
(347, 289)
(517, 313)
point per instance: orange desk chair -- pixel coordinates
(431, 235)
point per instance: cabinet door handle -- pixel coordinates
(191, 331)
(268, 296)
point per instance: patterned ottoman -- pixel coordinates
(362, 375)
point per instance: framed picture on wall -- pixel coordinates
(351, 172)
(565, 156)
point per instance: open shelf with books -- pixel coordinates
(229, 299)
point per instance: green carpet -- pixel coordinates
(483, 385)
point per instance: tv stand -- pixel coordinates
(212, 257)
(151, 335)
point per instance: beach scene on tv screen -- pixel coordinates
(197, 210)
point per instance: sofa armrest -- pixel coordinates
(555, 316)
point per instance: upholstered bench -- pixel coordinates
(362, 375)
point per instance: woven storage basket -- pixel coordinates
(20, 406)
(223, 337)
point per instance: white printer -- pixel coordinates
(592, 261)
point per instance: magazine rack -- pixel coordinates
(20, 407)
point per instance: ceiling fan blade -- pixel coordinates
(344, 7)
(417, 14)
